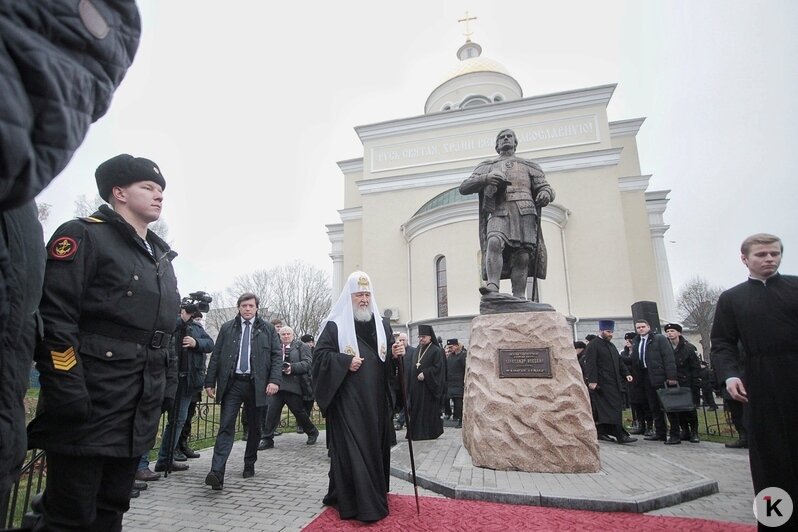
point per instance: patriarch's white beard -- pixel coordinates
(362, 314)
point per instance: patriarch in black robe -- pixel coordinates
(762, 314)
(351, 383)
(426, 383)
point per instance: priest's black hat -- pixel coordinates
(123, 170)
(426, 330)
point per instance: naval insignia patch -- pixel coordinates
(63, 248)
(65, 360)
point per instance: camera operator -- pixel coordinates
(296, 362)
(191, 344)
(184, 451)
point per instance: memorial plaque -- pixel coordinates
(534, 362)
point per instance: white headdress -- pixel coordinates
(344, 317)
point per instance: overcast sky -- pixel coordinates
(247, 106)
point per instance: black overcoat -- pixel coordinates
(101, 394)
(455, 373)
(264, 352)
(660, 361)
(604, 367)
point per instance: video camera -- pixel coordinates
(196, 302)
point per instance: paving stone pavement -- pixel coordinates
(291, 479)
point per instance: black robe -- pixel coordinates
(603, 366)
(425, 396)
(764, 318)
(358, 408)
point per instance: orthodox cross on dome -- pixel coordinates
(466, 19)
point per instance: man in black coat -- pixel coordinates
(46, 50)
(455, 377)
(190, 360)
(108, 305)
(296, 362)
(762, 315)
(687, 373)
(653, 356)
(245, 368)
(605, 374)
(641, 414)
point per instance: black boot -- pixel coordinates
(188, 451)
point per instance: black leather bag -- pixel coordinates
(676, 399)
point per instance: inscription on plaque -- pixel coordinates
(533, 362)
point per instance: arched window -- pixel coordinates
(440, 283)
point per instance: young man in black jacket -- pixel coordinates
(108, 305)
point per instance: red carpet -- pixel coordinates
(478, 516)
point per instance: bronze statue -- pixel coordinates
(512, 191)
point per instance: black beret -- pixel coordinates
(674, 326)
(305, 338)
(629, 336)
(123, 170)
(451, 341)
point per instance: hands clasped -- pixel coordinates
(356, 363)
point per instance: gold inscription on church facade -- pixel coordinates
(480, 145)
(534, 362)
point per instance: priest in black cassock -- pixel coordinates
(762, 314)
(426, 382)
(351, 382)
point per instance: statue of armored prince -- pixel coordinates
(512, 191)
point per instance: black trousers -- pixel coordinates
(687, 421)
(458, 408)
(238, 392)
(709, 397)
(737, 411)
(642, 414)
(185, 434)
(657, 414)
(87, 493)
(295, 405)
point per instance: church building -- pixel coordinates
(405, 223)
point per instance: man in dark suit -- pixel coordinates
(245, 368)
(653, 356)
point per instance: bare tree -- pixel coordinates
(43, 211)
(87, 206)
(696, 304)
(301, 295)
(297, 293)
(257, 282)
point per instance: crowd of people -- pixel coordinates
(628, 380)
